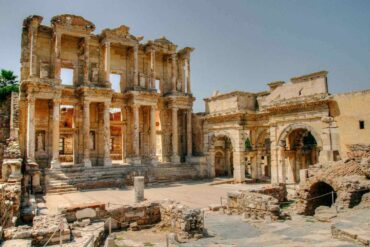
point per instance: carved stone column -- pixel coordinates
(31, 128)
(175, 146)
(281, 164)
(106, 119)
(86, 133)
(33, 42)
(55, 132)
(173, 60)
(153, 143)
(87, 60)
(57, 54)
(136, 66)
(123, 133)
(107, 62)
(136, 140)
(152, 68)
(189, 135)
(188, 82)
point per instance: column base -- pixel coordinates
(133, 160)
(154, 160)
(87, 163)
(189, 158)
(175, 159)
(107, 162)
(55, 164)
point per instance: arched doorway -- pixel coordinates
(300, 151)
(321, 194)
(263, 159)
(223, 157)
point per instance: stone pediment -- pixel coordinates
(163, 44)
(73, 22)
(120, 33)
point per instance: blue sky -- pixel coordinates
(240, 45)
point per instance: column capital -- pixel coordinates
(31, 98)
(107, 104)
(135, 48)
(56, 100)
(174, 108)
(135, 106)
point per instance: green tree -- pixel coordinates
(8, 83)
(7, 77)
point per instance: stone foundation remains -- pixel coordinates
(346, 181)
(254, 205)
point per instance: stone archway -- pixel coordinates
(300, 146)
(220, 155)
(263, 155)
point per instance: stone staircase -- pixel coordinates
(72, 179)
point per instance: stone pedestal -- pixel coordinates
(139, 188)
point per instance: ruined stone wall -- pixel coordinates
(253, 205)
(5, 112)
(348, 110)
(10, 198)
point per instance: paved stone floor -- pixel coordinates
(223, 230)
(196, 194)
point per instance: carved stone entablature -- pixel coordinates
(297, 103)
(120, 35)
(94, 94)
(225, 118)
(72, 23)
(182, 102)
(43, 87)
(142, 98)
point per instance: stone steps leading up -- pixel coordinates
(66, 180)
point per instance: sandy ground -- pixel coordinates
(196, 194)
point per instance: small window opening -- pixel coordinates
(67, 76)
(115, 80)
(362, 124)
(158, 85)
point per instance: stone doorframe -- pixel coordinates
(238, 156)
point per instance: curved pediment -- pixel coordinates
(73, 22)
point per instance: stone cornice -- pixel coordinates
(297, 103)
(309, 76)
(228, 95)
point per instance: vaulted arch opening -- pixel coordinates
(321, 194)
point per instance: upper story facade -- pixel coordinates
(114, 61)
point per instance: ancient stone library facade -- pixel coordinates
(109, 100)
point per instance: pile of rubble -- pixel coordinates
(10, 195)
(186, 222)
(45, 229)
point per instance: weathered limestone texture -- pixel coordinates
(254, 205)
(10, 198)
(90, 120)
(41, 231)
(139, 188)
(186, 222)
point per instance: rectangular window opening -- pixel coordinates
(361, 124)
(158, 85)
(115, 79)
(66, 75)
